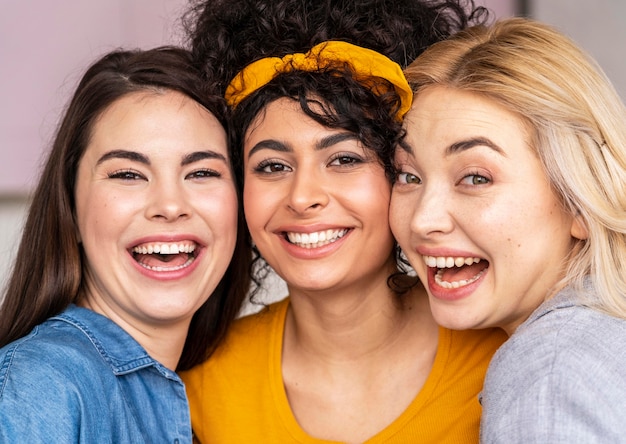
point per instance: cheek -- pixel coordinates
(98, 214)
(372, 193)
(400, 211)
(220, 211)
(516, 229)
(260, 201)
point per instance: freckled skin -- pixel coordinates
(490, 200)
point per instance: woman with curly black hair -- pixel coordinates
(353, 354)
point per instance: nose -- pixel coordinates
(432, 213)
(308, 191)
(168, 202)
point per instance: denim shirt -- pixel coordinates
(80, 378)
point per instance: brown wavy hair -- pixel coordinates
(48, 271)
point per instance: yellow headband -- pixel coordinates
(364, 62)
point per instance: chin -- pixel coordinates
(456, 319)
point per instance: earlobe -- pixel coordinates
(579, 230)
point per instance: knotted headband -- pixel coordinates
(364, 62)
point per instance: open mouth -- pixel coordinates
(165, 256)
(316, 239)
(456, 272)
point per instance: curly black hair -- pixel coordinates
(227, 35)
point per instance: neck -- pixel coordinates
(163, 343)
(349, 322)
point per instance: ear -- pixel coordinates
(579, 229)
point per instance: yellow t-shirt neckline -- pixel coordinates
(279, 394)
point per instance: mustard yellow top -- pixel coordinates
(238, 396)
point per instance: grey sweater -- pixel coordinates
(560, 378)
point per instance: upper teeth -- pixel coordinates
(449, 262)
(317, 239)
(165, 248)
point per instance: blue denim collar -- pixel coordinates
(120, 350)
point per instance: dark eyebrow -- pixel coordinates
(321, 144)
(406, 146)
(201, 155)
(138, 157)
(123, 154)
(465, 145)
(334, 139)
(269, 144)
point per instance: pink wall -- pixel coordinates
(45, 46)
(500, 8)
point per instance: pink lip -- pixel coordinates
(448, 294)
(171, 274)
(310, 253)
(451, 294)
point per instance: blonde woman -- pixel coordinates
(510, 203)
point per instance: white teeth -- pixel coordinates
(449, 262)
(178, 267)
(443, 262)
(165, 248)
(317, 239)
(456, 284)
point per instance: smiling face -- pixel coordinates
(474, 211)
(156, 209)
(316, 201)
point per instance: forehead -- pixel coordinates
(284, 118)
(165, 120)
(445, 113)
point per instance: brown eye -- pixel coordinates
(475, 179)
(203, 174)
(407, 178)
(270, 167)
(127, 175)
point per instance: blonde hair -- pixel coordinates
(578, 130)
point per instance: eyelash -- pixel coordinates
(126, 175)
(352, 159)
(203, 173)
(401, 178)
(475, 175)
(130, 175)
(262, 167)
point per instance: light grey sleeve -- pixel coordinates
(544, 391)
